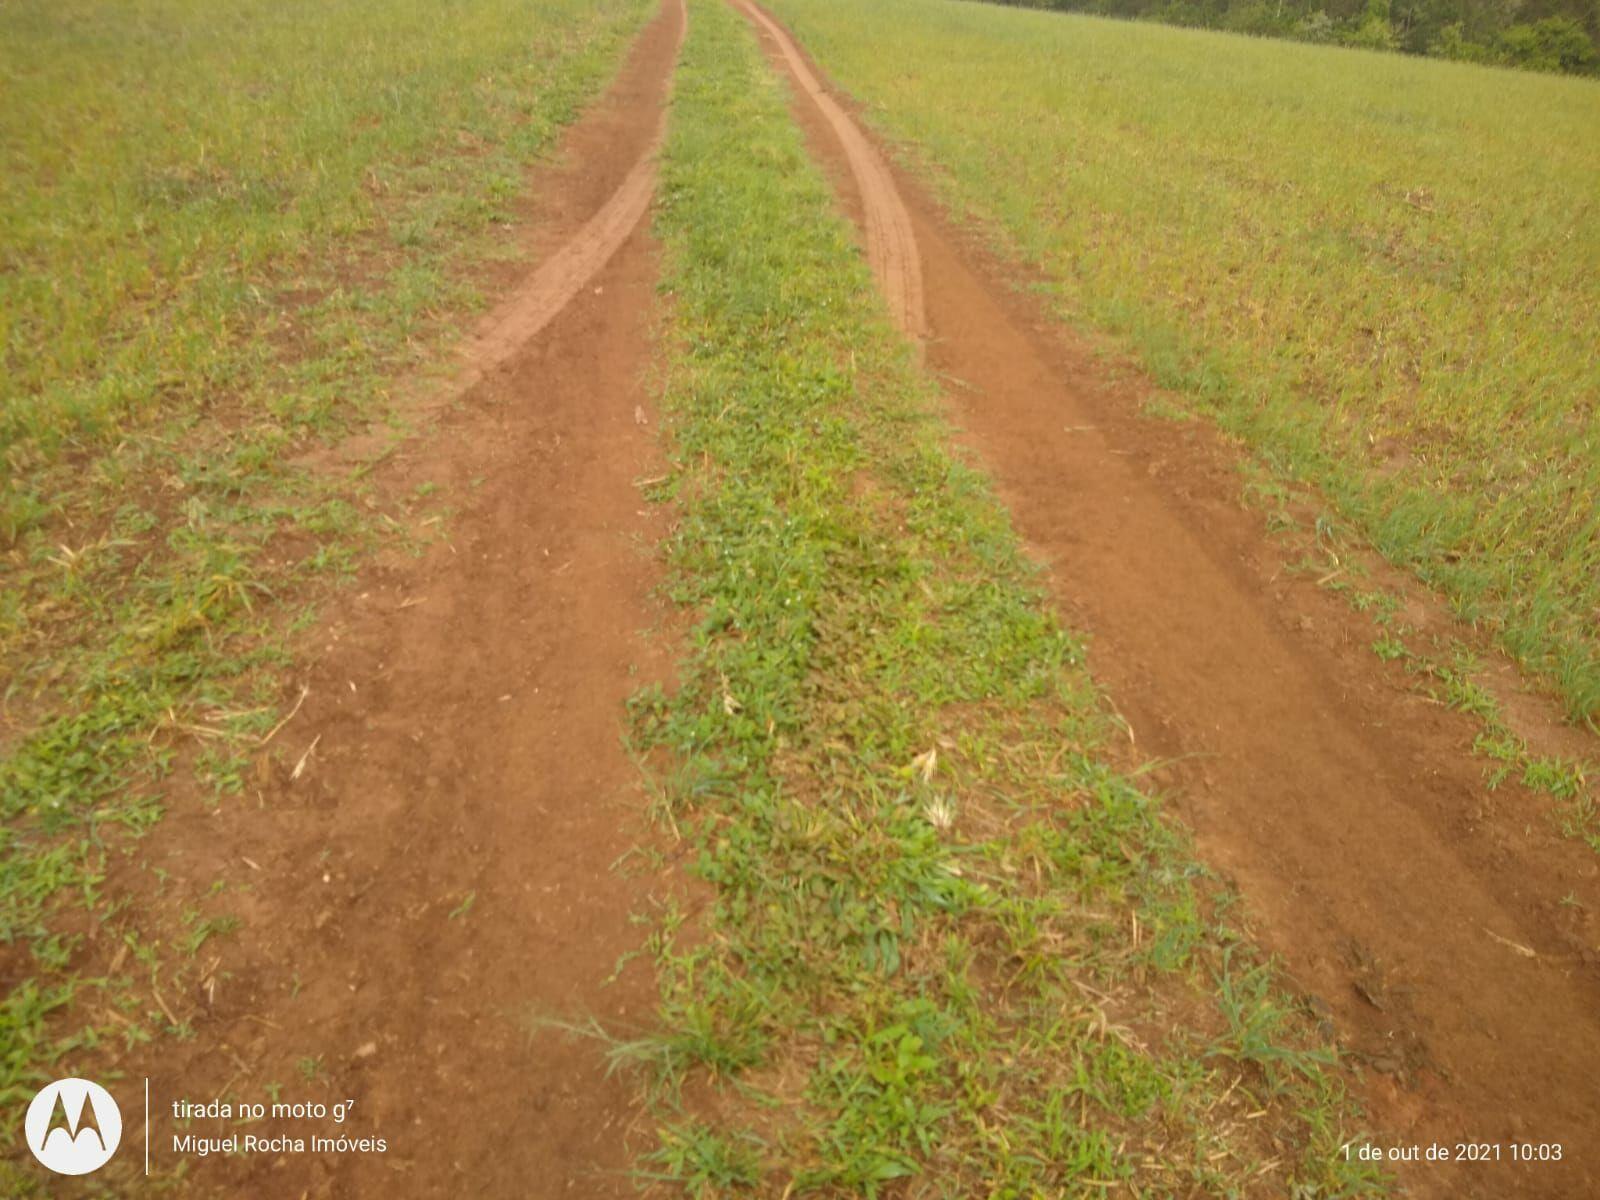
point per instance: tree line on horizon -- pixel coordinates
(1540, 35)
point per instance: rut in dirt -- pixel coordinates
(1419, 910)
(439, 882)
(552, 286)
(891, 244)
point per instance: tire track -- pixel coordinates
(891, 244)
(439, 877)
(553, 284)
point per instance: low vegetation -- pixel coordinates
(224, 231)
(1380, 273)
(952, 949)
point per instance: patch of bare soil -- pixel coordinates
(1449, 930)
(434, 856)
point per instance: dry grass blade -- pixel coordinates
(299, 767)
(305, 690)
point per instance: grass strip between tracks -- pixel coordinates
(949, 944)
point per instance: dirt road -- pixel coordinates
(441, 875)
(1448, 930)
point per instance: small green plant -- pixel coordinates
(202, 928)
(703, 1162)
(1389, 648)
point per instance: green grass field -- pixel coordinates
(1383, 273)
(225, 232)
(952, 952)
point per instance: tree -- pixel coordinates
(1553, 44)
